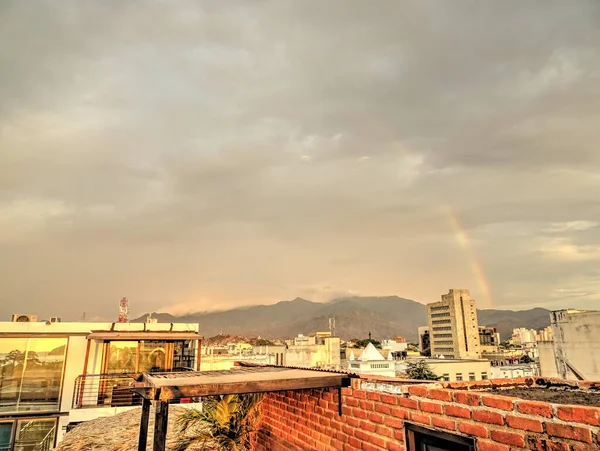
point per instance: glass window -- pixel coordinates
(471, 376)
(484, 376)
(446, 377)
(459, 377)
(35, 434)
(155, 356)
(121, 357)
(31, 373)
(5, 436)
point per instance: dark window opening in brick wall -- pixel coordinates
(422, 439)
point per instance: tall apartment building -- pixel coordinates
(454, 331)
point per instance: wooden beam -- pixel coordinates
(168, 393)
(143, 439)
(161, 421)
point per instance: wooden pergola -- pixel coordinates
(161, 388)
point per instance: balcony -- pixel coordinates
(105, 390)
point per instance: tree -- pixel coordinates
(526, 359)
(363, 343)
(420, 370)
(264, 342)
(225, 423)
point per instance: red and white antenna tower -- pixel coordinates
(123, 310)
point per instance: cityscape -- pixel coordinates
(299, 225)
(57, 375)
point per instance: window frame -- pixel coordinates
(414, 436)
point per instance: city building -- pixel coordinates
(514, 371)
(453, 370)
(225, 357)
(544, 334)
(453, 326)
(424, 339)
(523, 336)
(489, 339)
(397, 345)
(56, 374)
(574, 352)
(319, 350)
(371, 361)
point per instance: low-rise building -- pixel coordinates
(454, 370)
(514, 371)
(320, 350)
(396, 345)
(57, 374)
(371, 361)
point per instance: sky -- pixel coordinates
(201, 155)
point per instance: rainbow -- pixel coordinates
(476, 266)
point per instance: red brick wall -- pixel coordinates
(372, 420)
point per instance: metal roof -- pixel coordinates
(144, 335)
(168, 386)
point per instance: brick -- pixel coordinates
(498, 402)
(542, 409)
(391, 446)
(457, 411)
(524, 424)
(578, 414)
(359, 413)
(440, 394)
(431, 407)
(537, 444)
(582, 448)
(376, 418)
(383, 408)
(418, 418)
(373, 396)
(384, 431)
(572, 432)
(399, 413)
(369, 438)
(468, 398)
(488, 417)
(510, 438)
(360, 394)
(389, 399)
(367, 405)
(418, 390)
(366, 426)
(392, 422)
(408, 402)
(491, 446)
(352, 402)
(444, 423)
(473, 429)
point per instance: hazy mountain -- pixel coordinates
(355, 317)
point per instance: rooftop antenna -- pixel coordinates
(83, 317)
(123, 310)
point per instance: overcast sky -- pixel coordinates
(195, 155)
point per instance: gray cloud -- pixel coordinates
(207, 155)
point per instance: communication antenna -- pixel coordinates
(123, 310)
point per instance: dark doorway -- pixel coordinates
(423, 439)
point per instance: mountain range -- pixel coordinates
(355, 317)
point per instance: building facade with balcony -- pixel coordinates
(57, 374)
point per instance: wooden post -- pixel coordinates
(161, 421)
(143, 439)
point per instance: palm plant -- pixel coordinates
(225, 423)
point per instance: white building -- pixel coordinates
(57, 374)
(575, 351)
(320, 350)
(514, 371)
(370, 361)
(396, 345)
(454, 370)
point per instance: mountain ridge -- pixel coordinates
(355, 317)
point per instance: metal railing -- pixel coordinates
(105, 390)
